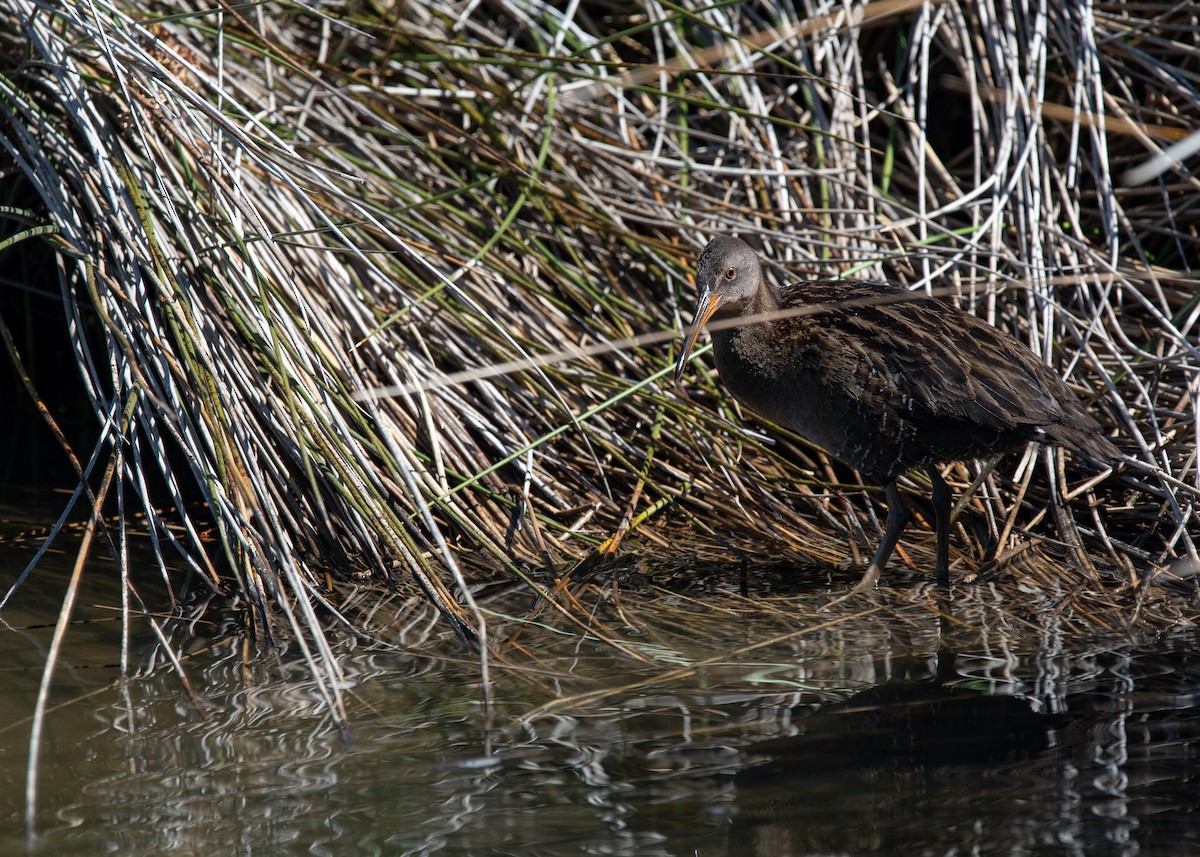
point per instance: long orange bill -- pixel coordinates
(704, 311)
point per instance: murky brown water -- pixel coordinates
(862, 738)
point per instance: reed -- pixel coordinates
(307, 235)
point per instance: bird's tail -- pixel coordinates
(1086, 438)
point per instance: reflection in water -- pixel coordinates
(872, 736)
(863, 770)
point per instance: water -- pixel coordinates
(884, 734)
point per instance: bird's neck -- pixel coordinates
(760, 306)
(766, 302)
(750, 340)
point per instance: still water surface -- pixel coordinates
(888, 736)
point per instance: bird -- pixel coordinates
(883, 379)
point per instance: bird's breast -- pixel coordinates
(813, 396)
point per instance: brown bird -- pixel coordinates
(883, 379)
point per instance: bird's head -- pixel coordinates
(728, 277)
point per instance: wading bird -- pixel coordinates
(883, 379)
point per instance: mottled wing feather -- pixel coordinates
(915, 344)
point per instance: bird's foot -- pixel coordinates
(869, 579)
(867, 584)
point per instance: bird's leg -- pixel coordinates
(897, 517)
(941, 520)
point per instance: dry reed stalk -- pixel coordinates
(267, 213)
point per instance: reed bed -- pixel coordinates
(395, 288)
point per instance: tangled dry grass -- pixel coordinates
(391, 285)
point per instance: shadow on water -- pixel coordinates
(1098, 766)
(862, 770)
(895, 733)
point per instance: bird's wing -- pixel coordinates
(917, 355)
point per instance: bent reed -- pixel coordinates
(267, 214)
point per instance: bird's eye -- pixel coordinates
(730, 273)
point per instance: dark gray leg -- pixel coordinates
(897, 517)
(941, 520)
